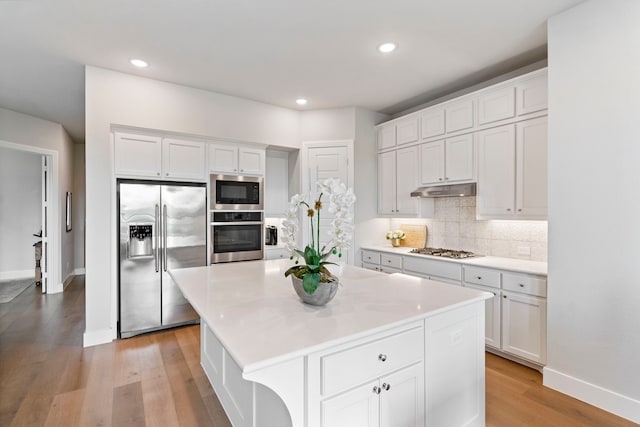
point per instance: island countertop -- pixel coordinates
(255, 313)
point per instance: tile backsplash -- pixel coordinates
(455, 227)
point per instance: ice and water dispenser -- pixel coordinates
(140, 240)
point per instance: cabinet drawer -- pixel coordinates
(371, 257)
(428, 267)
(482, 276)
(375, 267)
(389, 260)
(356, 365)
(525, 284)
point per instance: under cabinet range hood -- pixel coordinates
(455, 190)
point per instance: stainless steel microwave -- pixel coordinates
(232, 192)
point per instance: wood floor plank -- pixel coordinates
(98, 402)
(128, 405)
(64, 409)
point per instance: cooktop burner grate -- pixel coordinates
(445, 253)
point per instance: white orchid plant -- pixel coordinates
(395, 234)
(341, 201)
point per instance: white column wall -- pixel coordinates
(594, 204)
(114, 98)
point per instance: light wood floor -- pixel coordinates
(47, 378)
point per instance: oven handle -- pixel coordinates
(239, 223)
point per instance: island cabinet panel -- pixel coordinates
(454, 368)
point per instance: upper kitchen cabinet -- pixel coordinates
(236, 160)
(459, 115)
(531, 93)
(512, 171)
(276, 184)
(447, 161)
(496, 104)
(432, 122)
(400, 132)
(143, 156)
(397, 178)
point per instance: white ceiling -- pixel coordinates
(266, 50)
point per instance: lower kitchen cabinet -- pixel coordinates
(396, 399)
(276, 253)
(492, 322)
(383, 262)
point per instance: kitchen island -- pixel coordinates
(388, 350)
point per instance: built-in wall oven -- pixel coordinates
(231, 192)
(237, 236)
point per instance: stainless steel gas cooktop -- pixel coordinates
(445, 253)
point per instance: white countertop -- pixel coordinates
(511, 264)
(255, 313)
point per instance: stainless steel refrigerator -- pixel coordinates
(161, 226)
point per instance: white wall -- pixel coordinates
(78, 207)
(594, 204)
(114, 98)
(20, 210)
(35, 133)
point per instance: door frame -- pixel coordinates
(54, 282)
(305, 173)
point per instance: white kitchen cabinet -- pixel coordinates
(272, 252)
(155, 157)
(236, 160)
(531, 93)
(496, 104)
(399, 132)
(524, 326)
(375, 383)
(276, 184)
(433, 269)
(447, 161)
(515, 318)
(512, 171)
(432, 122)
(459, 115)
(383, 262)
(397, 178)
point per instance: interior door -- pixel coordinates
(44, 274)
(325, 162)
(184, 220)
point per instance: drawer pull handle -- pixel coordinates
(376, 389)
(386, 386)
(382, 357)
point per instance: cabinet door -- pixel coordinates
(407, 180)
(496, 104)
(359, 407)
(223, 159)
(531, 168)
(402, 398)
(432, 122)
(459, 160)
(275, 253)
(387, 183)
(496, 172)
(407, 130)
(531, 94)
(491, 316)
(137, 155)
(524, 326)
(432, 163)
(459, 115)
(183, 159)
(387, 136)
(251, 161)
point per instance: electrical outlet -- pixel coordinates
(524, 250)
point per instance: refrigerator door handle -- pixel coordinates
(164, 237)
(157, 237)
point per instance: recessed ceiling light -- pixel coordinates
(301, 101)
(139, 63)
(387, 47)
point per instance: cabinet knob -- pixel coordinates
(386, 386)
(439, 179)
(520, 210)
(479, 277)
(508, 209)
(158, 174)
(376, 389)
(241, 170)
(446, 178)
(521, 285)
(382, 357)
(389, 261)
(167, 174)
(504, 296)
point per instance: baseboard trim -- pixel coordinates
(79, 271)
(102, 336)
(603, 398)
(17, 274)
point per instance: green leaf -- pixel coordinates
(310, 282)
